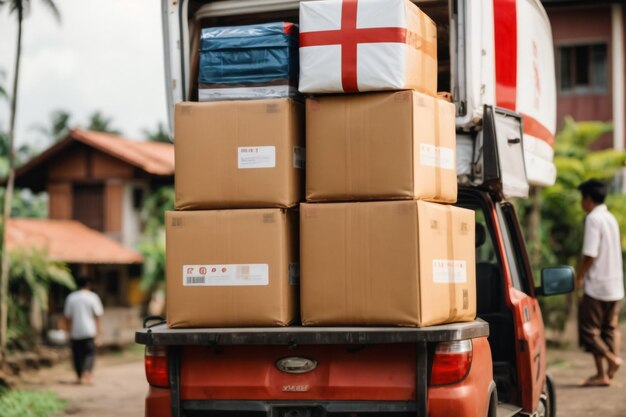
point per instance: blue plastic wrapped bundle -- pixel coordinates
(248, 62)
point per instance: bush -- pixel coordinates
(18, 403)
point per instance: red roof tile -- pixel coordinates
(68, 241)
(153, 157)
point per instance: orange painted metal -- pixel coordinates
(373, 373)
(158, 402)
(469, 397)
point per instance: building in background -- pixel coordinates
(96, 184)
(590, 44)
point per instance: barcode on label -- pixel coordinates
(243, 270)
(195, 280)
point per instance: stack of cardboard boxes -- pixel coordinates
(379, 243)
(377, 248)
(232, 244)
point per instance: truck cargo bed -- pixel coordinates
(164, 336)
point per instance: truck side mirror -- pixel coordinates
(556, 280)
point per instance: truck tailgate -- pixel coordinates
(360, 370)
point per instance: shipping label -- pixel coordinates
(230, 275)
(256, 157)
(448, 271)
(299, 157)
(436, 156)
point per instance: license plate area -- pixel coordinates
(289, 411)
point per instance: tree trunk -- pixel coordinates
(8, 195)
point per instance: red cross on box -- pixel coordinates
(353, 33)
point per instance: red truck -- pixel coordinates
(495, 56)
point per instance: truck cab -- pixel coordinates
(493, 366)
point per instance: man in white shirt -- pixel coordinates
(83, 310)
(601, 273)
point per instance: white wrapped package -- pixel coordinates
(366, 45)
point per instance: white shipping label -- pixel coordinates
(231, 275)
(447, 271)
(299, 157)
(256, 157)
(436, 156)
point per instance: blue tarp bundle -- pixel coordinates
(247, 62)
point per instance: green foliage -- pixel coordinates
(59, 125)
(159, 135)
(153, 251)
(20, 334)
(154, 208)
(23, 403)
(34, 268)
(31, 273)
(100, 123)
(153, 248)
(27, 204)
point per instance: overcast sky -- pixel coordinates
(105, 55)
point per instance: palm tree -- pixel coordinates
(20, 8)
(160, 134)
(59, 126)
(100, 123)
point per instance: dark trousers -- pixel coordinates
(598, 332)
(83, 352)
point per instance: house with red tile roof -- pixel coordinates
(96, 185)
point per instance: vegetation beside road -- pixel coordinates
(23, 403)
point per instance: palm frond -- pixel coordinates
(53, 9)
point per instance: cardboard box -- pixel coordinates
(404, 263)
(349, 46)
(381, 146)
(239, 154)
(231, 268)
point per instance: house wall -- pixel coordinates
(113, 211)
(579, 25)
(132, 226)
(84, 165)
(60, 201)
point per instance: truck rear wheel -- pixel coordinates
(547, 402)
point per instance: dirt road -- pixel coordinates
(118, 389)
(571, 367)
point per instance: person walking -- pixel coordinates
(83, 310)
(600, 272)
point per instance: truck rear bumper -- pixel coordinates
(158, 402)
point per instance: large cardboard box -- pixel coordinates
(404, 263)
(231, 268)
(239, 154)
(351, 45)
(380, 146)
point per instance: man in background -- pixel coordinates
(83, 310)
(601, 273)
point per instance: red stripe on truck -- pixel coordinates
(533, 127)
(505, 31)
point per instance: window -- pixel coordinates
(583, 69)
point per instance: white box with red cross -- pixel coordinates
(349, 46)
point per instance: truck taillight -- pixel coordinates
(452, 362)
(156, 366)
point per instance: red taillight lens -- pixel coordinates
(156, 366)
(452, 362)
